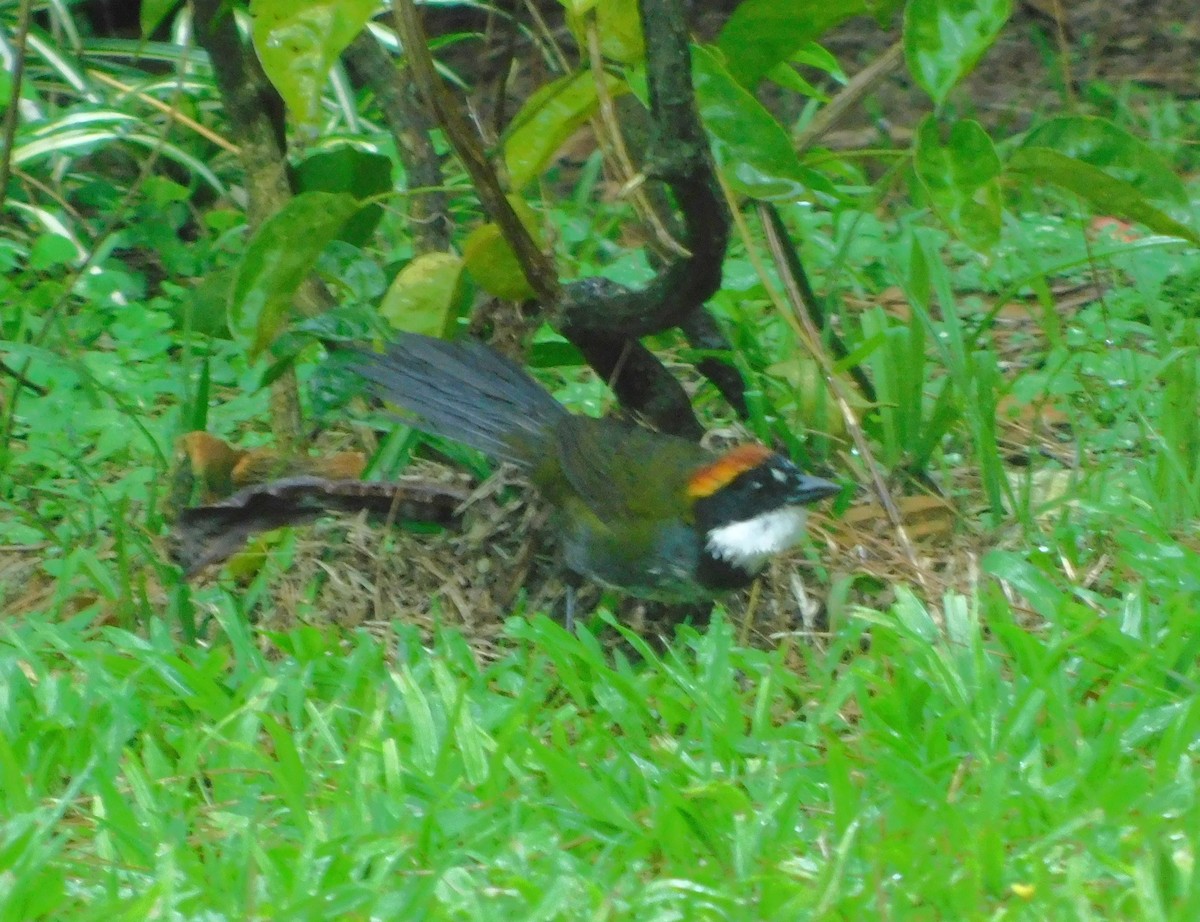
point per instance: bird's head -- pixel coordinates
(749, 505)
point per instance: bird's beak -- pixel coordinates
(811, 489)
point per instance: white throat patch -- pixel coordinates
(750, 543)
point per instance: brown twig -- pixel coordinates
(428, 208)
(813, 304)
(609, 127)
(849, 96)
(17, 376)
(538, 268)
(205, 132)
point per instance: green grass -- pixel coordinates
(1034, 757)
(1025, 747)
(967, 774)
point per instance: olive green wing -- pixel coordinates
(622, 472)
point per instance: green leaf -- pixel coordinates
(299, 40)
(278, 258)
(962, 179)
(153, 12)
(204, 309)
(1102, 144)
(423, 753)
(162, 191)
(51, 250)
(473, 742)
(618, 23)
(763, 33)
(198, 415)
(944, 39)
(492, 262)
(1107, 194)
(755, 152)
(811, 54)
(426, 296)
(349, 169)
(785, 75)
(548, 118)
(1043, 595)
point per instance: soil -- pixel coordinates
(1050, 52)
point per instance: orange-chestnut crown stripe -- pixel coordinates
(712, 477)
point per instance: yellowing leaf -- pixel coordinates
(426, 295)
(494, 266)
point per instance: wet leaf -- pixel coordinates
(298, 41)
(962, 179)
(754, 151)
(279, 256)
(944, 39)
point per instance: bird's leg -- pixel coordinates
(573, 582)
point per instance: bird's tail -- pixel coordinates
(466, 392)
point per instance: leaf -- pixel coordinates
(548, 118)
(755, 152)
(491, 261)
(944, 39)
(299, 40)
(1041, 592)
(204, 309)
(810, 54)
(962, 179)
(618, 23)
(1105, 193)
(349, 169)
(153, 12)
(51, 250)
(210, 533)
(1102, 144)
(426, 296)
(785, 75)
(473, 742)
(763, 33)
(279, 256)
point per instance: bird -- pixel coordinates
(652, 515)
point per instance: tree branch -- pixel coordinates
(428, 211)
(679, 156)
(602, 318)
(538, 268)
(256, 122)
